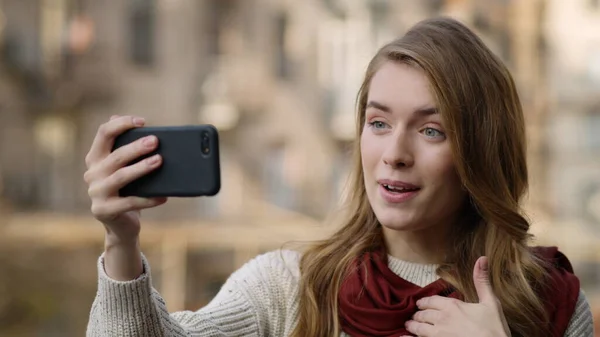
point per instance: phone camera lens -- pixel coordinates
(205, 143)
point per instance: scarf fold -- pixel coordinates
(561, 293)
(375, 302)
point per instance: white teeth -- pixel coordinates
(394, 188)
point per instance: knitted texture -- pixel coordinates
(259, 299)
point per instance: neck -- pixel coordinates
(425, 247)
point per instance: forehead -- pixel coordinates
(400, 86)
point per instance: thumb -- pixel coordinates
(482, 281)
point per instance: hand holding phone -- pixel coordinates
(120, 182)
(190, 162)
(107, 173)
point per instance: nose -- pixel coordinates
(399, 151)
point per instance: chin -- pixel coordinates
(396, 220)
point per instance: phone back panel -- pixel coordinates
(186, 170)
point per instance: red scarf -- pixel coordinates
(374, 301)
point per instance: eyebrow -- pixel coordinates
(387, 109)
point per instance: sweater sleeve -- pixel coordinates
(252, 302)
(581, 323)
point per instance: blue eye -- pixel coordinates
(431, 132)
(378, 124)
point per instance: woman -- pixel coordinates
(434, 243)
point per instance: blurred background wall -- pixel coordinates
(279, 80)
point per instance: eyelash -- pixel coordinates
(373, 123)
(440, 133)
(383, 124)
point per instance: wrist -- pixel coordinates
(122, 259)
(112, 241)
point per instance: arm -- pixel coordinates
(126, 304)
(134, 308)
(581, 324)
(253, 302)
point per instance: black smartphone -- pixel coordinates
(190, 162)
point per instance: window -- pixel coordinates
(142, 31)
(435, 6)
(590, 200)
(278, 189)
(593, 71)
(282, 60)
(207, 270)
(219, 17)
(589, 274)
(340, 173)
(593, 132)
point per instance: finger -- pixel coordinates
(114, 116)
(437, 302)
(121, 157)
(420, 329)
(111, 208)
(105, 137)
(485, 293)
(112, 184)
(430, 316)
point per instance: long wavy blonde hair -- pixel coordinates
(482, 113)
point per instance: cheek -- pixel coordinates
(452, 180)
(368, 152)
(443, 171)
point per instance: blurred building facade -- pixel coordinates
(573, 143)
(279, 80)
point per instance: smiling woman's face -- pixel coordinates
(409, 173)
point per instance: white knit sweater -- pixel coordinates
(259, 299)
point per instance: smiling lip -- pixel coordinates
(395, 191)
(397, 184)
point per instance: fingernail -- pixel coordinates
(484, 264)
(138, 121)
(154, 159)
(149, 141)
